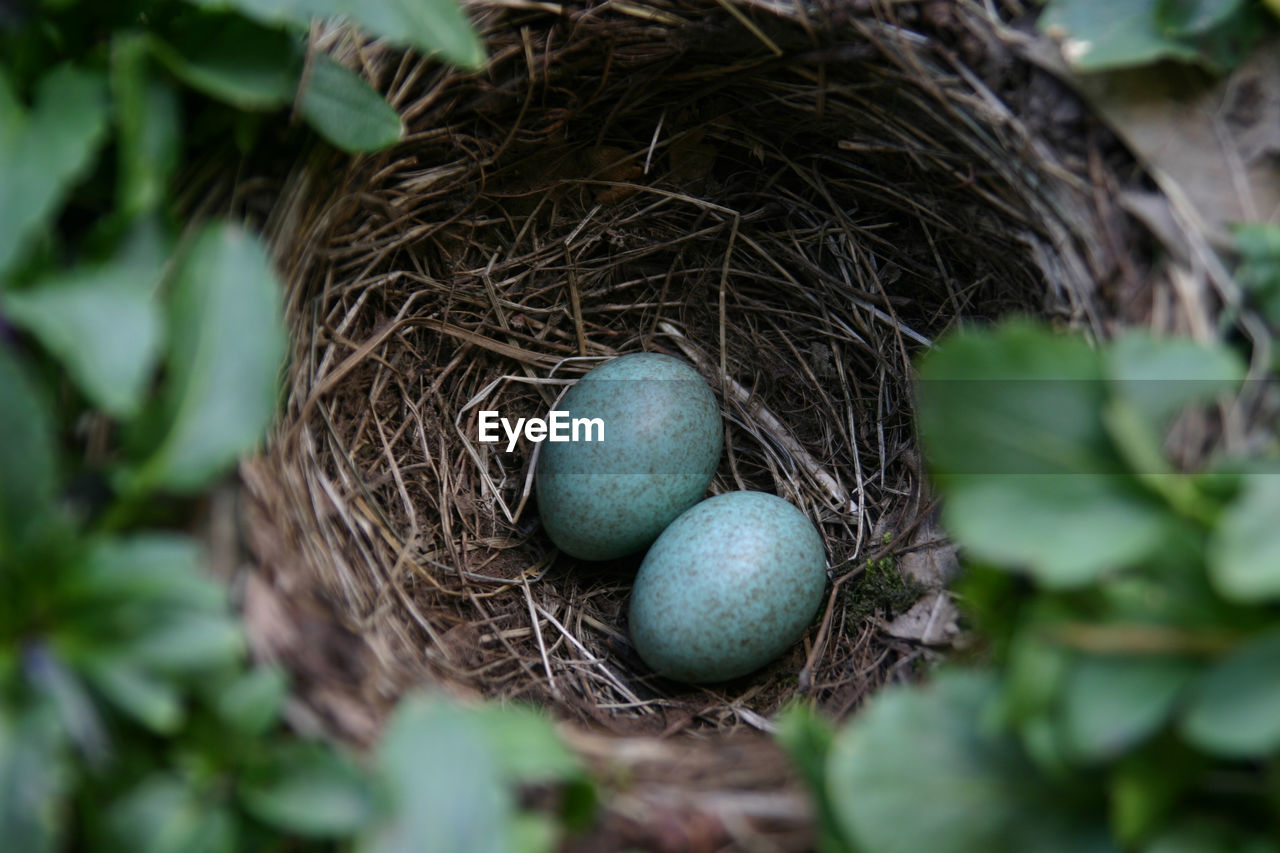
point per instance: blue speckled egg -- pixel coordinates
(727, 587)
(662, 441)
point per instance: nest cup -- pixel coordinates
(793, 199)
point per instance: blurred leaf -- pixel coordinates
(1016, 399)
(163, 815)
(1258, 245)
(524, 743)
(227, 347)
(1189, 17)
(151, 700)
(1065, 530)
(66, 695)
(147, 567)
(1011, 422)
(528, 750)
(1098, 36)
(1146, 787)
(1035, 671)
(233, 60)
(252, 702)
(917, 769)
(1197, 834)
(187, 642)
(148, 119)
(1161, 376)
(807, 740)
(311, 790)
(1244, 550)
(1234, 709)
(1103, 34)
(27, 463)
(1226, 37)
(34, 779)
(432, 26)
(910, 772)
(532, 832)
(456, 801)
(103, 324)
(1111, 704)
(346, 110)
(1140, 442)
(44, 151)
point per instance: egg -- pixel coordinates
(662, 437)
(728, 586)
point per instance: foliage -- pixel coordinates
(129, 716)
(1100, 35)
(1258, 246)
(1128, 698)
(880, 589)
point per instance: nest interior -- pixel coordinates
(795, 199)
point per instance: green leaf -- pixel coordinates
(911, 772)
(1141, 444)
(63, 690)
(1110, 704)
(148, 122)
(1192, 17)
(807, 739)
(28, 474)
(152, 701)
(1146, 787)
(346, 110)
(432, 26)
(1065, 530)
(187, 643)
(1244, 550)
(35, 778)
(1016, 399)
(532, 832)
(164, 815)
(1034, 675)
(1258, 245)
(1102, 34)
(453, 802)
(1011, 422)
(45, 151)
(1234, 710)
(311, 790)
(227, 347)
(252, 702)
(1198, 834)
(1161, 376)
(524, 743)
(233, 60)
(147, 567)
(528, 750)
(103, 324)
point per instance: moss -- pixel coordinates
(880, 590)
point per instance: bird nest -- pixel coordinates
(795, 199)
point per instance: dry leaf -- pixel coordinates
(1214, 141)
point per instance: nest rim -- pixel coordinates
(348, 308)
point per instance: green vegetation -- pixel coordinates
(1100, 35)
(129, 716)
(880, 589)
(1130, 700)
(1128, 696)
